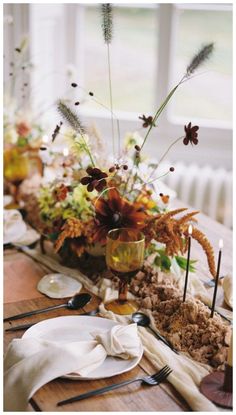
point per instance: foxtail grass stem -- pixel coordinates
(164, 155)
(111, 100)
(159, 111)
(161, 108)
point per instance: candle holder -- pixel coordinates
(218, 387)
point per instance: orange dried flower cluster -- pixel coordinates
(79, 232)
(205, 244)
(173, 233)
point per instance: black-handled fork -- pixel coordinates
(152, 380)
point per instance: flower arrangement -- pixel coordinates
(22, 130)
(117, 191)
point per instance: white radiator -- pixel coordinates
(204, 188)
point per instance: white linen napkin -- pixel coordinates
(13, 226)
(197, 289)
(186, 375)
(32, 362)
(228, 290)
(16, 231)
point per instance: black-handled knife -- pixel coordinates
(21, 327)
(28, 325)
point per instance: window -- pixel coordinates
(133, 57)
(152, 46)
(211, 92)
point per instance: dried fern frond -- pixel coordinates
(200, 58)
(107, 22)
(203, 241)
(71, 117)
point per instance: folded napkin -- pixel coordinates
(32, 362)
(186, 375)
(16, 231)
(13, 226)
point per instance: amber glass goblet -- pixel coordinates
(124, 257)
(16, 169)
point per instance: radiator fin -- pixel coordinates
(204, 188)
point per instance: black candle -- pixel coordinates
(217, 278)
(190, 230)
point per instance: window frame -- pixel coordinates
(170, 127)
(209, 136)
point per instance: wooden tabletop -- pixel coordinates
(21, 275)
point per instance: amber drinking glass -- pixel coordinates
(124, 257)
(16, 169)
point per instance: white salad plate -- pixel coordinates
(59, 286)
(76, 328)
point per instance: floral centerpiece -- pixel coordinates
(22, 131)
(102, 193)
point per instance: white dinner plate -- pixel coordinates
(59, 285)
(74, 328)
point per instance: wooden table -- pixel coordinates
(21, 275)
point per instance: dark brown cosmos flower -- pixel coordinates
(96, 179)
(148, 121)
(116, 212)
(190, 134)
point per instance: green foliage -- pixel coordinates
(164, 262)
(182, 262)
(22, 141)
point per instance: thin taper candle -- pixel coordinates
(65, 152)
(190, 230)
(217, 278)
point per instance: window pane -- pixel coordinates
(211, 89)
(133, 58)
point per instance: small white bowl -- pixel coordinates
(59, 286)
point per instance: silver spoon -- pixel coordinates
(143, 320)
(76, 302)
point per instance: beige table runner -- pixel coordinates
(187, 373)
